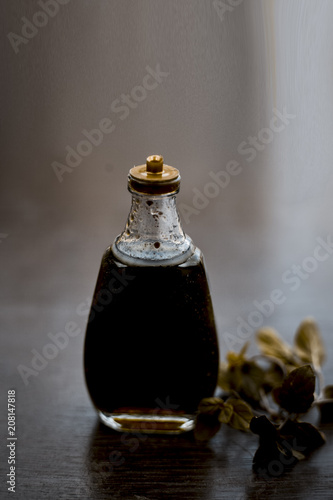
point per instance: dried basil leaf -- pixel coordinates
(325, 405)
(230, 377)
(226, 413)
(210, 405)
(326, 411)
(224, 377)
(248, 378)
(302, 436)
(297, 454)
(264, 428)
(241, 415)
(270, 373)
(206, 426)
(289, 368)
(328, 392)
(264, 457)
(273, 458)
(271, 344)
(273, 375)
(296, 393)
(275, 454)
(236, 358)
(309, 346)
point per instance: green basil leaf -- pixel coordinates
(210, 405)
(241, 415)
(226, 413)
(271, 344)
(296, 393)
(206, 426)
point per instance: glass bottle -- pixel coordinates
(151, 350)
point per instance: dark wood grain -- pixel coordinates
(64, 452)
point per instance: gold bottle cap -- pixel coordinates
(154, 177)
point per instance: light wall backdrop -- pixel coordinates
(241, 86)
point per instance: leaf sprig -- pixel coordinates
(280, 381)
(214, 411)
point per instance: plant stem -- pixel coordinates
(321, 381)
(265, 404)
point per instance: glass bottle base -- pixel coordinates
(148, 423)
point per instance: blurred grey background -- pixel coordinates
(221, 69)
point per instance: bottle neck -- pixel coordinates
(153, 234)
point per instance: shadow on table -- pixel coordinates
(138, 466)
(303, 481)
(141, 467)
(290, 484)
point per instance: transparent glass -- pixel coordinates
(151, 351)
(153, 234)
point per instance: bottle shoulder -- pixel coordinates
(144, 256)
(193, 259)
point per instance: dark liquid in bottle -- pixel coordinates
(151, 338)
